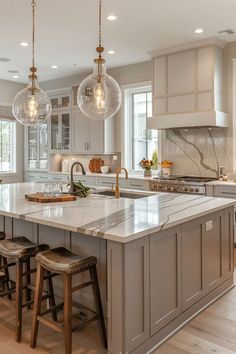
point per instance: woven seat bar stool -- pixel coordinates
(61, 261)
(18, 251)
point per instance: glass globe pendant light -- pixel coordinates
(99, 95)
(32, 105)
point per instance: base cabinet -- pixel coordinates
(213, 233)
(192, 263)
(157, 283)
(165, 289)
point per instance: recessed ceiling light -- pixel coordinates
(111, 52)
(15, 76)
(198, 30)
(13, 71)
(24, 44)
(54, 66)
(111, 18)
(4, 60)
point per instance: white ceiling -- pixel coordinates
(66, 31)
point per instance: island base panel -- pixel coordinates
(158, 282)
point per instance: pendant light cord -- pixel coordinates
(33, 4)
(100, 25)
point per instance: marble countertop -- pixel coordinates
(222, 183)
(120, 220)
(108, 175)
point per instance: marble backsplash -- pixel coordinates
(198, 151)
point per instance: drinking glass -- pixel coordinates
(47, 190)
(57, 189)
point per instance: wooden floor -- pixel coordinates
(213, 331)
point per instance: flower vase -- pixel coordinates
(147, 173)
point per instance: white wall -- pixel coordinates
(8, 91)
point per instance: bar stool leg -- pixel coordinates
(52, 301)
(19, 290)
(28, 281)
(98, 305)
(7, 277)
(68, 313)
(37, 304)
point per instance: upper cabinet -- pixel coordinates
(60, 122)
(70, 131)
(61, 100)
(91, 136)
(60, 132)
(187, 82)
(36, 148)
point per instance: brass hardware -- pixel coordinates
(117, 188)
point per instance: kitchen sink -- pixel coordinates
(125, 194)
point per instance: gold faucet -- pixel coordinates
(117, 189)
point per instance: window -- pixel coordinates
(139, 141)
(7, 146)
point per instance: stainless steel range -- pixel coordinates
(180, 184)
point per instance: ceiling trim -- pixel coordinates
(191, 45)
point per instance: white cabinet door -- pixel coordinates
(88, 134)
(80, 132)
(60, 132)
(36, 148)
(96, 143)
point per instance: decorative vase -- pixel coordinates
(95, 164)
(166, 171)
(147, 173)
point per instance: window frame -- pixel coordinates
(12, 147)
(126, 129)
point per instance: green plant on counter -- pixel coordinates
(155, 160)
(81, 190)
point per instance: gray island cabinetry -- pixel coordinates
(165, 278)
(161, 259)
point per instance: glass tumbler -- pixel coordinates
(47, 190)
(57, 189)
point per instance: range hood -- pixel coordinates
(188, 86)
(189, 120)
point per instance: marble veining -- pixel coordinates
(120, 220)
(198, 151)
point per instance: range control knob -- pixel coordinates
(186, 189)
(191, 189)
(196, 190)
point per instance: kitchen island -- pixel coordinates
(161, 259)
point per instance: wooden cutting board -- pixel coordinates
(40, 198)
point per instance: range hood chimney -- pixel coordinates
(188, 85)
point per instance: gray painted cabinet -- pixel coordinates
(165, 277)
(162, 280)
(213, 238)
(151, 285)
(192, 263)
